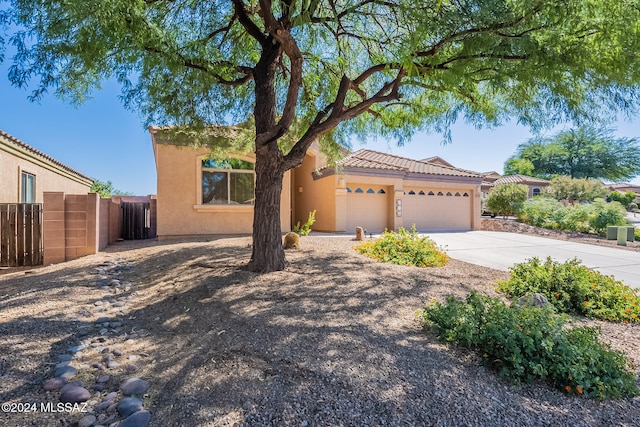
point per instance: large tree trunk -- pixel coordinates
(268, 254)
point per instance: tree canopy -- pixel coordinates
(106, 189)
(329, 69)
(582, 153)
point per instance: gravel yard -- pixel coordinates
(331, 341)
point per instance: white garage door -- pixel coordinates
(366, 207)
(437, 210)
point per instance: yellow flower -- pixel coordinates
(570, 377)
(585, 303)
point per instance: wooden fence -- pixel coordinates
(21, 234)
(136, 220)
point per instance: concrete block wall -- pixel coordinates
(72, 224)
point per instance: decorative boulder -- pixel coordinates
(532, 300)
(360, 232)
(291, 240)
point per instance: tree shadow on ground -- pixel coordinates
(332, 340)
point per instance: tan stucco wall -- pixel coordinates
(180, 212)
(48, 177)
(337, 212)
(319, 195)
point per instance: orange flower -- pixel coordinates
(579, 389)
(585, 303)
(568, 388)
(557, 295)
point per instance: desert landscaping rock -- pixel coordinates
(75, 394)
(104, 405)
(111, 396)
(66, 372)
(128, 406)
(117, 352)
(76, 383)
(64, 357)
(53, 384)
(87, 421)
(137, 419)
(103, 379)
(134, 386)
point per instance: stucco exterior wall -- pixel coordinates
(180, 211)
(319, 195)
(48, 177)
(339, 210)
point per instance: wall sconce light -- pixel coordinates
(341, 183)
(299, 189)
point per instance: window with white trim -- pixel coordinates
(27, 188)
(227, 182)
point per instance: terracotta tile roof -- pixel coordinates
(520, 179)
(26, 147)
(370, 159)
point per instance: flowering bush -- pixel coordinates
(572, 287)
(404, 248)
(528, 343)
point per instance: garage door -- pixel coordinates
(437, 210)
(366, 207)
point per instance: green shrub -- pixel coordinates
(624, 199)
(591, 218)
(404, 248)
(606, 214)
(578, 190)
(539, 212)
(636, 234)
(527, 343)
(505, 199)
(572, 287)
(305, 229)
(576, 218)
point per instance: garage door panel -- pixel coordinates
(368, 210)
(437, 212)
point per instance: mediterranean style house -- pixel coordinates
(535, 185)
(26, 173)
(200, 195)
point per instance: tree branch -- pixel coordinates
(247, 23)
(388, 92)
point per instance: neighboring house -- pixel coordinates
(26, 173)
(200, 196)
(535, 185)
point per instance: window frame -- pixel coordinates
(201, 205)
(24, 187)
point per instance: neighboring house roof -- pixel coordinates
(438, 161)
(374, 161)
(14, 145)
(624, 187)
(519, 179)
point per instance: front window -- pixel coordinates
(227, 182)
(28, 188)
(536, 192)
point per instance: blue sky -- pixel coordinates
(104, 141)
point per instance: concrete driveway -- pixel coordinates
(502, 250)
